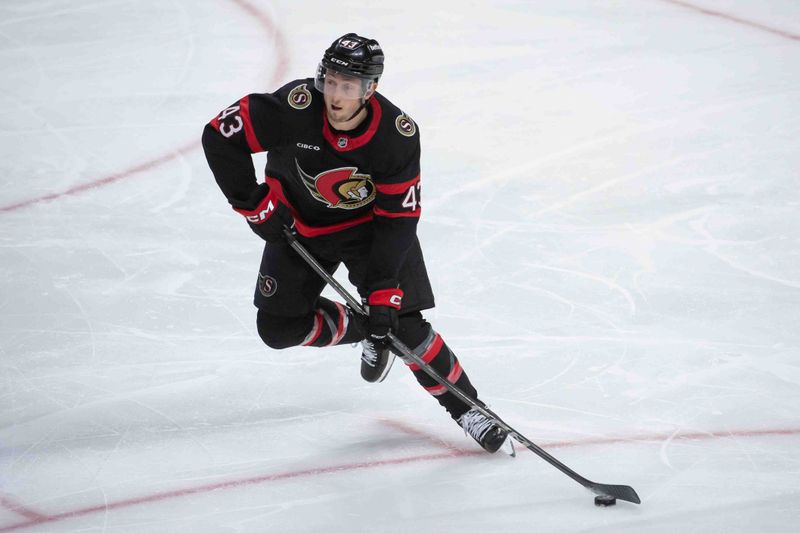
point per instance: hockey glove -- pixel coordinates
(383, 307)
(265, 214)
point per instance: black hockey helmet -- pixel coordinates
(353, 55)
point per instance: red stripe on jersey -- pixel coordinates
(275, 185)
(315, 231)
(249, 132)
(315, 330)
(306, 230)
(352, 142)
(390, 214)
(215, 123)
(396, 188)
(431, 353)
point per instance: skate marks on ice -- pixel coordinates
(447, 451)
(277, 71)
(651, 366)
(733, 18)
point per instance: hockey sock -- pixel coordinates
(433, 350)
(439, 356)
(333, 324)
(329, 324)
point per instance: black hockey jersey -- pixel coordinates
(330, 180)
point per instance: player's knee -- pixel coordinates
(279, 332)
(414, 329)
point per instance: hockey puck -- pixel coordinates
(605, 501)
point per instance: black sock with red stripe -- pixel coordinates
(329, 324)
(334, 324)
(431, 348)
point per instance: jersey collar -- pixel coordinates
(341, 141)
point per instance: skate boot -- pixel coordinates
(376, 360)
(490, 436)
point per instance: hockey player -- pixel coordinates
(344, 170)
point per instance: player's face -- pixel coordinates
(343, 96)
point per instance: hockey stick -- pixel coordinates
(622, 492)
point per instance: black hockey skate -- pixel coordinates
(375, 361)
(490, 436)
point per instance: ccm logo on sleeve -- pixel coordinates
(262, 215)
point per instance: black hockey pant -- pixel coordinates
(292, 312)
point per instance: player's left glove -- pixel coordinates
(265, 214)
(384, 305)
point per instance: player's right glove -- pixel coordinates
(265, 214)
(384, 305)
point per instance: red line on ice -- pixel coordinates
(736, 19)
(242, 482)
(660, 437)
(452, 452)
(11, 505)
(278, 73)
(439, 443)
(280, 69)
(147, 165)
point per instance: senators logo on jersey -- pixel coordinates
(405, 125)
(299, 97)
(342, 188)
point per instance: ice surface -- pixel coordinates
(610, 223)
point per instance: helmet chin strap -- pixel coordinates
(364, 100)
(357, 111)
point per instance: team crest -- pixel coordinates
(405, 125)
(267, 285)
(341, 188)
(300, 97)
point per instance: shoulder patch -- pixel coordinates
(299, 97)
(405, 125)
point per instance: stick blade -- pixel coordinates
(620, 492)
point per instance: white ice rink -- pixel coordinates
(611, 223)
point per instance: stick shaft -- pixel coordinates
(618, 491)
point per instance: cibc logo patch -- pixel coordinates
(300, 97)
(267, 285)
(405, 125)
